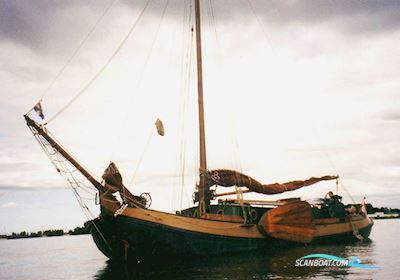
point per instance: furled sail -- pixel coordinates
(112, 177)
(228, 178)
(160, 127)
(113, 182)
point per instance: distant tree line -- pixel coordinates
(49, 232)
(78, 231)
(372, 210)
(385, 210)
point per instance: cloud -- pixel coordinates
(30, 188)
(390, 115)
(33, 23)
(9, 205)
(377, 15)
(344, 72)
(42, 24)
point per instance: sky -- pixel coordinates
(292, 89)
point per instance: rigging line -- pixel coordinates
(75, 52)
(183, 141)
(85, 209)
(323, 152)
(213, 26)
(110, 59)
(264, 31)
(195, 154)
(213, 23)
(141, 156)
(139, 81)
(185, 39)
(44, 148)
(152, 128)
(173, 43)
(184, 19)
(183, 219)
(180, 135)
(186, 90)
(65, 149)
(188, 86)
(90, 187)
(236, 155)
(73, 182)
(89, 216)
(328, 157)
(347, 192)
(173, 40)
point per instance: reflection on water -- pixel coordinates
(77, 258)
(275, 264)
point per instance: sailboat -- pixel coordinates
(127, 230)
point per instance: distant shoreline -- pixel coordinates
(46, 233)
(383, 217)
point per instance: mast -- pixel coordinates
(202, 188)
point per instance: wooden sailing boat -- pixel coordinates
(127, 230)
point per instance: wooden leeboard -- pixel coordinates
(292, 222)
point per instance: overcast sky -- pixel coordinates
(293, 89)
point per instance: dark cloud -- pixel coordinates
(356, 16)
(391, 116)
(46, 24)
(22, 21)
(32, 22)
(33, 188)
(35, 73)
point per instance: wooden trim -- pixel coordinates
(231, 193)
(221, 228)
(255, 202)
(223, 218)
(225, 228)
(326, 221)
(331, 229)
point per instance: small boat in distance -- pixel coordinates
(127, 230)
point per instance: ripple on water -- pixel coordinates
(76, 257)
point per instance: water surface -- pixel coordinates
(76, 257)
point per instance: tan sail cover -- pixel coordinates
(160, 127)
(228, 178)
(113, 182)
(112, 175)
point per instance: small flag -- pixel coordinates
(38, 109)
(160, 127)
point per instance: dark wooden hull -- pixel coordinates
(148, 240)
(125, 238)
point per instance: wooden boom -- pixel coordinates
(42, 132)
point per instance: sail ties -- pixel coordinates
(113, 183)
(212, 178)
(120, 210)
(229, 178)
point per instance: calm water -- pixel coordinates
(76, 257)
